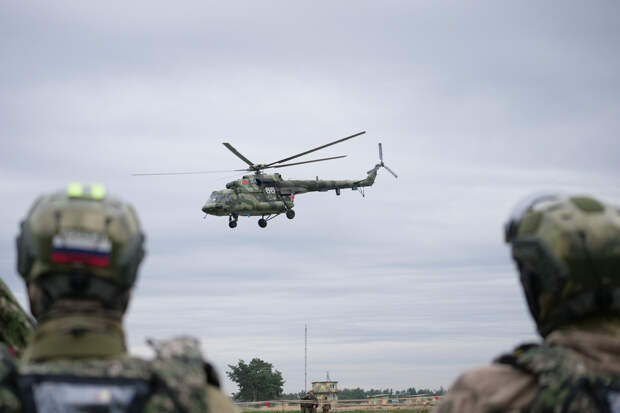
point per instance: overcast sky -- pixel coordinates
(477, 105)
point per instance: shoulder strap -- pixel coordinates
(178, 370)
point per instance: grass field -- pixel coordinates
(401, 410)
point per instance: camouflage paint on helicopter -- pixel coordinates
(268, 196)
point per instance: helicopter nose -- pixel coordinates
(210, 207)
(207, 208)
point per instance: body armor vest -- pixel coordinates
(175, 381)
(565, 384)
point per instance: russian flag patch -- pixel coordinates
(81, 247)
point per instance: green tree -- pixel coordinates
(257, 380)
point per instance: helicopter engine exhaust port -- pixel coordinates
(262, 222)
(290, 214)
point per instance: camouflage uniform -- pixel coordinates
(79, 253)
(15, 325)
(311, 403)
(567, 250)
(326, 406)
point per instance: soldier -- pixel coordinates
(79, 253)
(567, 252)
(326, 406)
(15, 325)
(310, 403)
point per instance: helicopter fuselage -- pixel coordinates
(252, 195)
(263, 194)
(268, 195)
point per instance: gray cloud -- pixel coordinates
(477, 104)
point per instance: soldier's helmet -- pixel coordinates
(567, 250)
(80, 244)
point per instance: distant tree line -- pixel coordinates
(258, 380)
(358, 393)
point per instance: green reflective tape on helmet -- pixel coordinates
(93, 191)
(97, 192)
(75, 190)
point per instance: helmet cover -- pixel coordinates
(81, 231)
(567, 249)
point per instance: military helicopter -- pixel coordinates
(269, 195)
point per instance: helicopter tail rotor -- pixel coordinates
(383, 164)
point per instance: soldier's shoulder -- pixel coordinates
(491, 378)
(17, 325)
(219, 402)
(494, 387)
(179, 367)
(179, 357)
(7, 300)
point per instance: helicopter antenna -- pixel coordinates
(184, 173)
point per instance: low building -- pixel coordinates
(325, 390)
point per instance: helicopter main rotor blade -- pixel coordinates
(313, 160)
(380, 153)
(236, 152)
(315, 149)
(183, 173)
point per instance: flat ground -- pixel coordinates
(375, 410)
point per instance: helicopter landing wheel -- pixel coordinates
(262, 222)
(232, 220)
(290, 214)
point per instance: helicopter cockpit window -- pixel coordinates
(220, 198)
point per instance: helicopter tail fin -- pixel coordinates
(372, 174)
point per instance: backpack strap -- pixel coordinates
(178, 370)
(564, 382)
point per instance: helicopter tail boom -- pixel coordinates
(321, 185)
